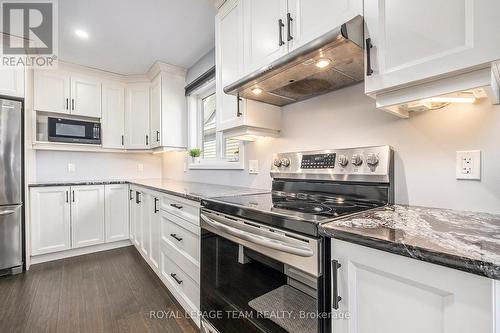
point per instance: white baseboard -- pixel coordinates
(78, 252)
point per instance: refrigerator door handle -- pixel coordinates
(7, 212)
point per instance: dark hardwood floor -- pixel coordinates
(112, 291)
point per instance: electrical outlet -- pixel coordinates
(71, 167)
(468, 165)
(140, 167)
(253, 166)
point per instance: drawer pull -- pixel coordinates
(174, 276)
(177, 238)
(176, 206)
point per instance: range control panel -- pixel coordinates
(373, 164)
(318, 161)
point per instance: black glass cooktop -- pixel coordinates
(282, 208)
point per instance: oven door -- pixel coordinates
(255, 278)
(68, 130)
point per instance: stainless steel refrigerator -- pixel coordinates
(11, 186)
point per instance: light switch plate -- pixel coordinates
(253, 166)
(468, 165)
(140, 167)
(71, 167)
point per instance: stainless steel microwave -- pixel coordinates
(74, 131)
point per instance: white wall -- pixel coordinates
(201, 66)
(53, 166)
(425, 147)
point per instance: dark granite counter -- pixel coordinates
(193, 190)
(189, 190)
(467, 241)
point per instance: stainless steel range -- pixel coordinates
(263, 263)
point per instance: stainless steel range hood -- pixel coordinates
(298, 76)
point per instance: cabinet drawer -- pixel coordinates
(181, 234)
(183, 208)
(178, 281)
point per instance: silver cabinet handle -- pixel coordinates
(7, 212)
(296, 249)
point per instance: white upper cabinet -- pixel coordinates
(168, 109)
(52, 91)
(50, 219)
(12, 81)
(229, 60)
(385, 292)
(309, 19)
(137, 116)
(85, 96)
(87, 215)
(63, 92)
(264, 32)
(229, 67)
(418, 40)
(156, 112)
(113, 115)
(116, 198)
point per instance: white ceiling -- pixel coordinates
(128, 36)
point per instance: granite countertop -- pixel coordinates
(189, 190)
(195, 191)
(468, 241)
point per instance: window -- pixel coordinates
(218, 152)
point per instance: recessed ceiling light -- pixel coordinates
(257, 91)
(322, 63)
(81, 33)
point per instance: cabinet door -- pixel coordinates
(156, 110)
(87, 215)
(12, 81)
(145, 222)
(229, 61)
(138, 219)
(51, 91)
(313, 18)
(85, 96)
(265, 34)
(113, 115)
(417, 40)
(117, 215)
(154, 232)
(50, 219)
(173, 111)
(388, 293)
(137, 116)
(132, 215)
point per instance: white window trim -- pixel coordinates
(194, 130)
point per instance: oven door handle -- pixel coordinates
(296, 249)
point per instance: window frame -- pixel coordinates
(195, 126)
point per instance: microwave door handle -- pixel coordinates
(275, 244)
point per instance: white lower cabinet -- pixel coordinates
(50, 219)
(87, 215)
(166, 231)
(70, 217)
(145, 223)
(154, 232)
(387, 293)
(116, 197)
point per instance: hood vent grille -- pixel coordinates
(296, 76)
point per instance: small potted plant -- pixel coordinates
(195, 154)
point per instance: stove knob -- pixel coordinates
(285, 162)
(343, 161)
(357, 160)
(277, 162)
(372, 160)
